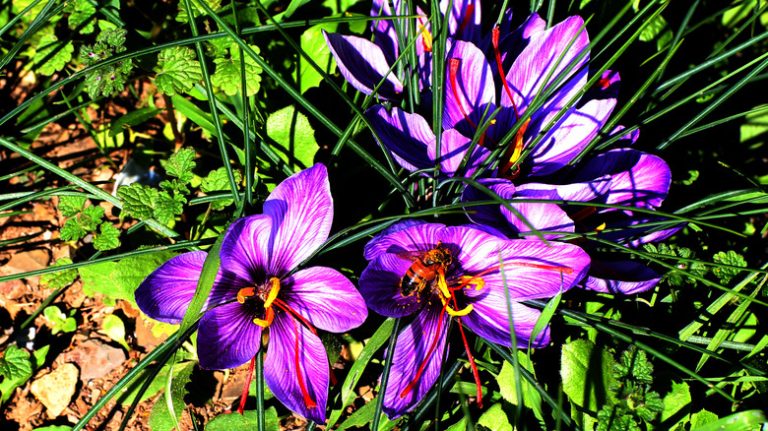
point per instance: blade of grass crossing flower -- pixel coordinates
(648, 349)
(293, 93)
(546, 316)
(385, 375)
(204, 286)
(731, 325)
(261, 425)
(715, 103)
(42, 17)
(171, 343)
(717, 305)
(211, 104)
(513, 338)
(439, 27)
(247, 201)
(377, 340)
(560, 414)
(85, 185)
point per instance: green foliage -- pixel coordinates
(218, 180)
(292, 131)
(508, 387)
(227, 76)
(494, 419)
(118, 280)
(108, 237)
(180, 165)
(162, 417)
(87, 220)
(587, 374)
(59, 279)
(177, 70)
(182, 16)
(246, 421)
(82, 16)
(144, 202)
(678, 278)
(51, 55)
(725, 274)
(106, 80)
(15, 370)
(114, 328)
(632, 403)
(58, 321)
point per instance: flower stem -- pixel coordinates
(385, 375)
(260, 425)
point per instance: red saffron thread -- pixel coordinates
(308, 401)
(247, 385)
(424, 361)
(500, 68)
(467, 16)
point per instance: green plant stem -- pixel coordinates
(385, 375)
(261, 425)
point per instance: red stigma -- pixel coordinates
(424, 361)
(500, 68)
(467, 16)
(309, 403)
(604, 83)
(454, 64)
(247, 385)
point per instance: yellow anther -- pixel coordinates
(463, 312)
(273, 291)
(269, 316)
(245, 293)
(427, 37)
(493, 121)
(600, 228)
(472, 280)
(442, 286)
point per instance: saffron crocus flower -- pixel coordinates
(436, 273)
(364, 64)
(619, 182)
(257, 289)
(551, 65)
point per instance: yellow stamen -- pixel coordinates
(245, 293)
(600, 228)
(273, 291)
(269, 316)
(426, 37)
(463, 312)
(442, 286)
(472, 280)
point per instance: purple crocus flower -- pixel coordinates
(257, 289)
(550, 62)
(364, 63)
(436, 273)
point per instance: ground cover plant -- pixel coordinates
(377, 214)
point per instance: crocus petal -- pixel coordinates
(165, 294)
(463, 18)
(469, 88)
(490, 320)
(637, 178)
(568, 137)
(301, 208)
(326, 298)
(380, 286)
(407, 136)
(384, 33)
(513, 43)
(244, 250)
(625, 277)
(453, 150)
(404, 237)
(363, 65)
(538, 217)
(227, 337)
(577, 192)
(548, 54)
(281, 373)
(532, 269)
(411, 350)
(489, 214)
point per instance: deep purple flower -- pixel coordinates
(256, 289)
(436, 273)
(364, 63)
(549, 63)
